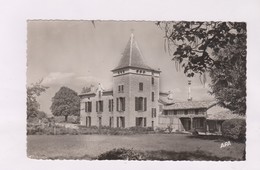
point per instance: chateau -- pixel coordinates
(136, 100)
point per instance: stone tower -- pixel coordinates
(135, 89)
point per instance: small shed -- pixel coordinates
(216, 115)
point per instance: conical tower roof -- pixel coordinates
(132, 56)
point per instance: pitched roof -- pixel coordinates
(220, 113)
(132, 56)
(190, 105)
(93, 93)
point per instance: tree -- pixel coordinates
(217, 48)
(33, 92)
(86, 89)
(66, 102)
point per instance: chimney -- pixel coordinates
(189, 91)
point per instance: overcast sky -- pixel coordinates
(78, 53)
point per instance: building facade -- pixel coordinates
(135, 100)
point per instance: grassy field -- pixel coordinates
(90, 146)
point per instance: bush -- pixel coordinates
(234, 129)
(195, 132)
(121, 154)
(71, 119)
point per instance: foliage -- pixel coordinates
(66, 102)
(33, 106)
(71, 119)
(130, 154)
(234, 129)
(47, 128)
(215, 47)
(86, 89)
(121, 154)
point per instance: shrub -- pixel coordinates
(71, 119)
(140, 129)
(234, 129)
(195, 132)
(121, 154)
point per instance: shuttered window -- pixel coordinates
(86, 106)
(120, 104)
(136, 103)
(145, 104)
(110, 105)
(88, 121)
(140, 104)
(99, 106)
(123, 104)
(153, 112)
(89, 106)
(117, 104)
(117, 122)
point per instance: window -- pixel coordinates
(141, 86)
(175, 112)
(186, 112)
(111, 121)
(121, 89)
(152, 96)
(110, 105)
(153, 112)
(152, 80)
(140, 121)
(88, 121)
(196, 111)
(88, 106)
(99, 106)
(99, 121)
(120, 121)
(140, 104)
(120, 104)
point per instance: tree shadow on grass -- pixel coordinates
(161, 155)
(216, 138)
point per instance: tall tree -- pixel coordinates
(218, 48)
(66, 102)
(33, 92)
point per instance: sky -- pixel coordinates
(77, 53)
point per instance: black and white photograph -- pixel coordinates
(133, 84)
(128, 90)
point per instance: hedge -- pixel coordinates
(234, 129)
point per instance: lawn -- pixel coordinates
(90, 146)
